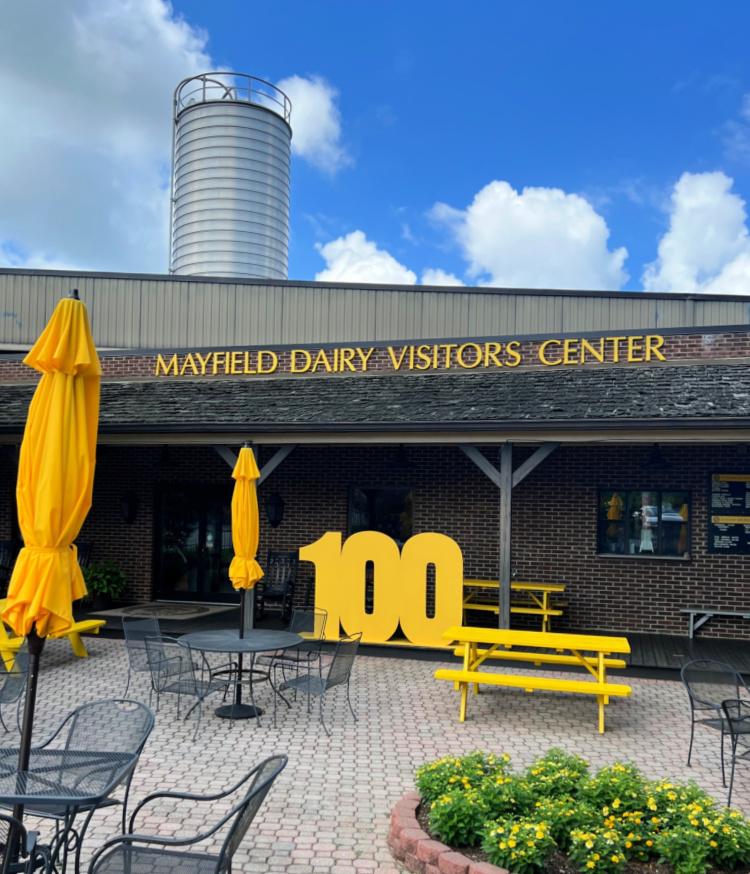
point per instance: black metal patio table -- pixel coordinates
(254, 641)
(71, 780)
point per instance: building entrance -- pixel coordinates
(194, 544)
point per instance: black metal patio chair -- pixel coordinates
(136, 631)
(309, 623)
(13, 683)
(315, 683)
(277, 586)
(175, 671)
(19, 850)
(144, 854)
(708, 683)
(112, 725)
(737, 715)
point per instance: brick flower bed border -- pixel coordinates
(415, 849)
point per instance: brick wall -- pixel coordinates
(554, 520)
(677, 347)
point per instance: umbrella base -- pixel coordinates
(238, 711)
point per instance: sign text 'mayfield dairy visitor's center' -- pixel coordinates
(416, 357)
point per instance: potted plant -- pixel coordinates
(105, 581)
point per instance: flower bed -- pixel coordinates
(555, 816)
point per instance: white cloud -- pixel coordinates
(540, 238)
(433, 276)
(354, 258)
(86, 130)
(707, 246)
(316, 122)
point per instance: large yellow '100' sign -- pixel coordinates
(399, 585)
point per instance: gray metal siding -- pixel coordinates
(154, 312)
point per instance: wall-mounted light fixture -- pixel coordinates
(129, 507)
(656, 460)
(275, 509)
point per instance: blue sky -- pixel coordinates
(566, 145)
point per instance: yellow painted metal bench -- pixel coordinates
(469, 640)
(9, 646)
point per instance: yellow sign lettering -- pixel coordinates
(273, 361)
(188, 362)
(321, 360)
(512, 350)
(203, 361)
(307, 358)
(399, 585)
(543, 349)
(166, 368)
(460, 355)
(597, 353)
(365, 358)
(397, 362)
(653, 343)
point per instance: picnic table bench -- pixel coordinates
(10, 644)
(468, 640)
(537, 603)
(700, 615)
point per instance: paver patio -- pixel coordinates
(329, 811)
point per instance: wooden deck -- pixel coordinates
(664, 651)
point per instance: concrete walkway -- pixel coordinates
(329, 811)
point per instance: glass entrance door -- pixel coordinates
(194, 544)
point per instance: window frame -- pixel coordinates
(627, 491)
(365, 486)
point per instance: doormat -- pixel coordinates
(157, 610)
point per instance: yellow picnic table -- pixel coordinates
(9, 645)
(538, 603)
(558, 649)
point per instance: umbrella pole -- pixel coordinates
(35, 645)
(238, 695)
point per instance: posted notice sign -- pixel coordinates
(729, 513)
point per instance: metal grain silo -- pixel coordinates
(230, 177)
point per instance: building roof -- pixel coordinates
(705, 395)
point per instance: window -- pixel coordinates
(644, 522)
(388, 510)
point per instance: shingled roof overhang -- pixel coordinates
(699, 397)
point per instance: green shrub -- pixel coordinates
(557, 774)
(457, 817)
(435, 779)
(521, 846)
(601, 851)
(620, 786)
(601, 822)
(105, 578)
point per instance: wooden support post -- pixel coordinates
(506, 491)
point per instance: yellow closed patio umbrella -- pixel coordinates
(244, 571)
(55, 483)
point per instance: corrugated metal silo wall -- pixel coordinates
(161, 312)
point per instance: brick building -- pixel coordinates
(622, 421)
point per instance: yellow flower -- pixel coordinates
(649, 843)
(713, 843)
(511, 843)
(502, 845)
(589, 844)
(596, 857)
(591, 864)
(628, 844)
(615, 859)
(616, 803)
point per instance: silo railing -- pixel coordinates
(238, 87)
